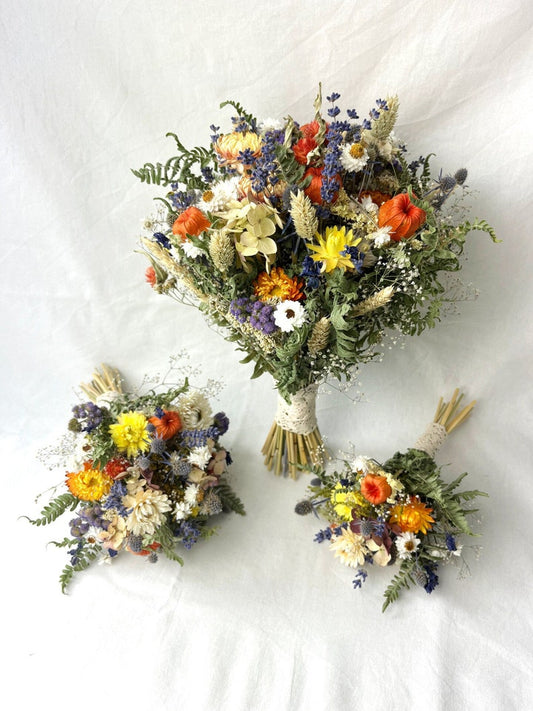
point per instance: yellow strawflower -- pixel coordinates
(344, 501)
(130, 434)
(329, 248)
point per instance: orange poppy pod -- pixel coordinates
(400, 214)
(191, 222)
(313, 189)
(375, 488)
(167, 425)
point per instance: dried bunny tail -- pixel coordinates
(303, 216)
(104, 380)
(374, 302)
(319, 338)
(222, 250)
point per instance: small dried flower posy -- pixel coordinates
(147, 473)
(401, 512)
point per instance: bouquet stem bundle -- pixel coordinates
(104, 381)
(294, 440)
(447, 417)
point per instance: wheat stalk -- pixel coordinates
(374, 302)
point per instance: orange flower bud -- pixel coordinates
(191, 222)
(400, 214)
(375, 488)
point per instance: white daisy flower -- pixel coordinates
(353, 157)
(199, 457)
(289, 315)
(219, 196)
(381, 236)
(191, 250)
(406, 544)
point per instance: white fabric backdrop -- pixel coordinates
(260, 617)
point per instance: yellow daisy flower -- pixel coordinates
(130, 434)
(329, 248)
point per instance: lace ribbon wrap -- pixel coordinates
(298, 416)
(432, 439)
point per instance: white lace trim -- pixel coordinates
(432, 439)
(298, 416)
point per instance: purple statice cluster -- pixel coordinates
(241, 308)
(264, 172)
(311, 272)
(262, 317)
(88, 416)
(88, 517)
(257, 313)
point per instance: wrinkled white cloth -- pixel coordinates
(260, 617)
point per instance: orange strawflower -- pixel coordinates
(278, 285)
(191, 222)
(413, 516)
(400, 214)
(375, 488)
(168, 424)
(89, 484)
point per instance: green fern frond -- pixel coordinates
(56, 507)
(85, 558)
(249, 118)
(230, 500)
(402, 580)
(65, 542)
(165, 537)
(480, 226)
